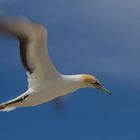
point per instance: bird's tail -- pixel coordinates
(5, 108)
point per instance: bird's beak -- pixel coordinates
(97, 85)
(103, 89)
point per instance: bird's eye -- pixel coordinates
(97, 83)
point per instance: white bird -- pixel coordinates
(44, 81)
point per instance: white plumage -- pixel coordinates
(45, 82)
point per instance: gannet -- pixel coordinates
(45, 83)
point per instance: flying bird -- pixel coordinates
(45, 83)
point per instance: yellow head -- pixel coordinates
(91, 81)
(88, 78)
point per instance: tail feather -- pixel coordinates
(5, 108)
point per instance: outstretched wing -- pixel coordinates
(33, 41)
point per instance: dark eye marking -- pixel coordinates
(97, 83)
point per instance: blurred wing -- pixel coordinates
(33, 41)
(60, 102)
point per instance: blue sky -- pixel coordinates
(85, 36)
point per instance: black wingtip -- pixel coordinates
(2, 106)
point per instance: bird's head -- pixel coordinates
(92, 82)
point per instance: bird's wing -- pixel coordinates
(60, 102)
(33, 41)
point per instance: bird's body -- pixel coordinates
(49, 90)
(44, 81)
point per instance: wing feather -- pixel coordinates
(33, 51)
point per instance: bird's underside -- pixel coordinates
(44, 81)
(32, 39)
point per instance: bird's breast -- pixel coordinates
(55, 88)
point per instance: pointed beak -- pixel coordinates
(97, 85)
(103, 89)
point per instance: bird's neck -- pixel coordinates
(75, 80)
